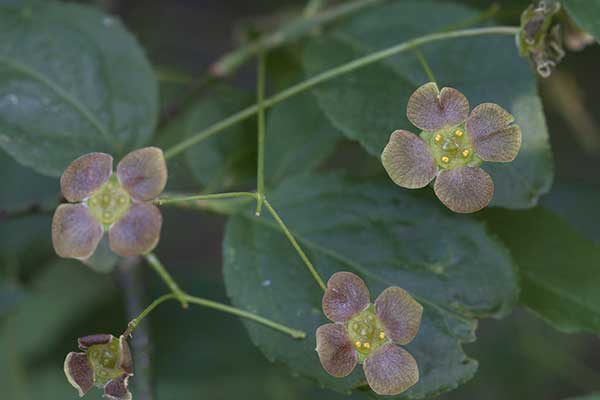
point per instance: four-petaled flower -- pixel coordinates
(118, 203)
(368, 333)
(451, 147)
(105, 362)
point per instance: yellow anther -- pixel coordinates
(445, 160)
(438, 138)
(458, 133)
(381, 335)
(367, 345)
(466, 153)
(358, 344)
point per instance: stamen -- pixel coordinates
(445, 160)
(381, 335)
(358, 344)
(367, 345)
(438, 138)
(466, 153)
(458, 133)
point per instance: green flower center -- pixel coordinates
(451, 147)
(366, 332)
(104, 359)
(109, 203)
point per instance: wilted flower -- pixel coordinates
(451, 147)
(368, 333)
(540, 39)
(105, 362)
(119, 203)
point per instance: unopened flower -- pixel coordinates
(369, 334)
(451, 147)
(540, 38)
(118, 203)
(104, 362)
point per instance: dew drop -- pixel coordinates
(14, 100)
(108, 21)
(265, 283)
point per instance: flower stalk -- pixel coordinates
(294, 333)
(331, 74)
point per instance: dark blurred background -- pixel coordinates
(203, 354)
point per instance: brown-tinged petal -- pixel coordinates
(408, 160)
(399, 313)
(143, 173)
(85, 175)
(125, 359)
(116, 389)
(346, 295)
(391, 370)
(79, 372)
(465, 189)
(492, 135)
(336, 352)
(137, 232)
(91, 340)
(429, 109)
(75, 233)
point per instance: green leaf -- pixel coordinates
(387, 236)
(59, 295)
(72, 81)
(588, 397)
(299, 137)
(587, 15)
(577, 203)
(559, 269)
(370, 103)
(224, 160)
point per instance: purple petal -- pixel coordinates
(430, 110)
(125, 359)
(399, 313)
(85, 175)
(79, 372)
(143, 173)
(91, 340)
(116, 389)
(465, 189)
(391, 370)
(137, 232)
(336, 352)
(408, 160)
(346, 295)
(493, 136)
(75, 233)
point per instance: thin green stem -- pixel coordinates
(215, 196)
(296, 246)
(160, 269)
(312, 8)
(334, 73)
(233, 60)
(260, 165)
(425, 65)
(294, 333)
(136, 321)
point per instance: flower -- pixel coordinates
(119, 203)
(541, 39)
(368, 334)
(105, 362)
(451, 147)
